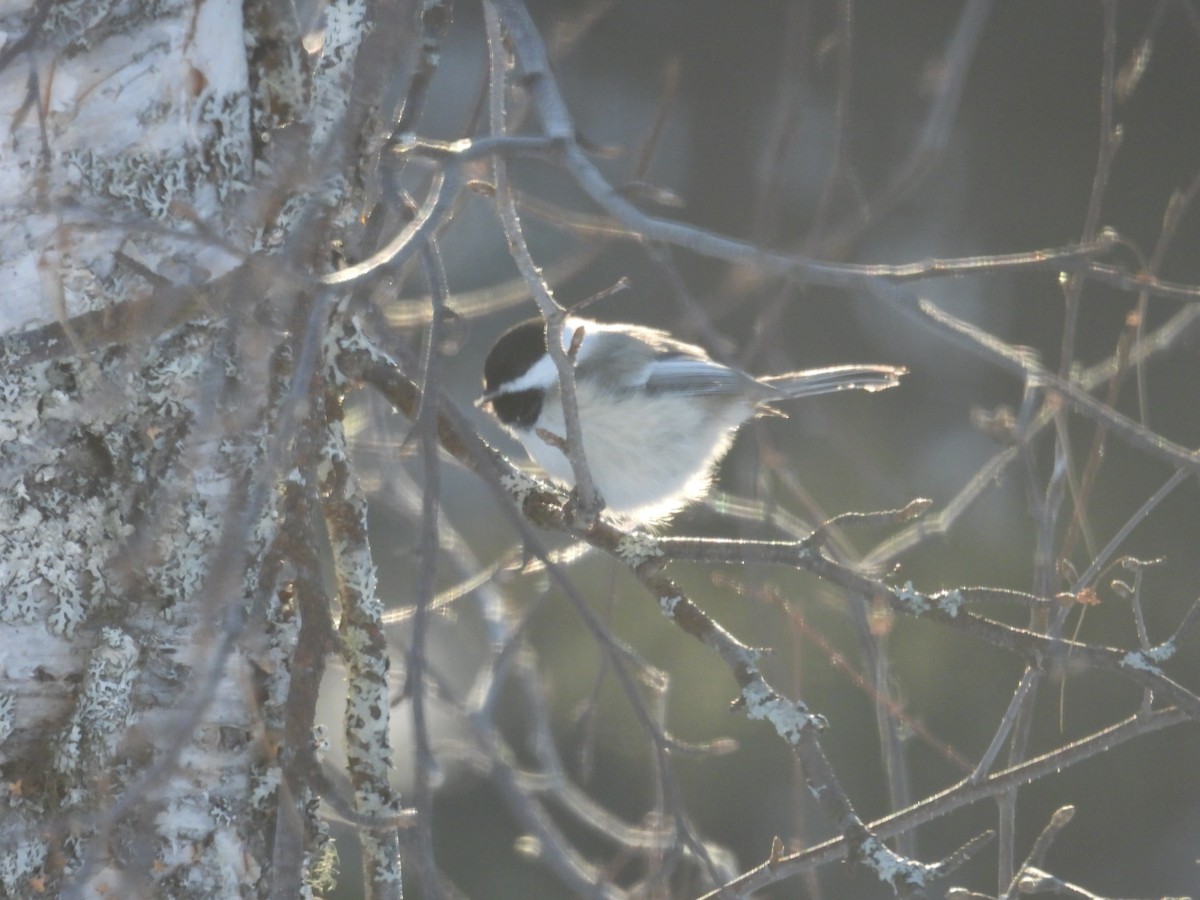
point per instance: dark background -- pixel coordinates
(1016, 175)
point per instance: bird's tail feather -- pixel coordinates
(811, 382)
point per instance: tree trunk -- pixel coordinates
(163, 621)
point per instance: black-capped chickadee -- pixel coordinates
(656, 414)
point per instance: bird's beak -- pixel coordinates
(486, 398)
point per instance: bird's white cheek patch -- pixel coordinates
(541, 375)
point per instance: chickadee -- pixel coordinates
(656, 414)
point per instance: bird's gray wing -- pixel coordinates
(692, 377)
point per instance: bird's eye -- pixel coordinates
(519, 409)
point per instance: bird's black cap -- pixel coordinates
(515, 353)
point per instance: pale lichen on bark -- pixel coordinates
(364, 648)
(96, 463)
(103, 711)
(144, 120)
(146, 666)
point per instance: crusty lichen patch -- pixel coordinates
(85, 446)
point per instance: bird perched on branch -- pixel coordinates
(657, 414)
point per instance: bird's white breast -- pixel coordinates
(648, 455)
